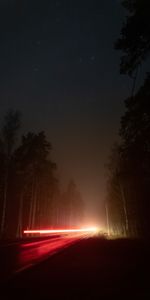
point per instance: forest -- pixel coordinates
(128, 180)
(30, 193)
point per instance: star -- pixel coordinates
(35, 68)
(93, 57)
(38, 43)
(58, 3)
(58, 20)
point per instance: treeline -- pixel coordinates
(128, 187)
(30, 193)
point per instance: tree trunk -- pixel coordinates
(107, 219)
(4, 203)
(134, 82)
(124, 209)
(19, 227)
(34, 205)
(31, 206)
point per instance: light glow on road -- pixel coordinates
(49, 231)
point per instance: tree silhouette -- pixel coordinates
(130, 164)
(30, 193)
(135, 35)
(37, 177)
(8, 139)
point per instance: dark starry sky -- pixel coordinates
(58, 66)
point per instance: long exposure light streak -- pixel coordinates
(49, 231)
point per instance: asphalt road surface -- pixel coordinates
(92, 268)
(18, 256)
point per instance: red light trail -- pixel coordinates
(49, 231)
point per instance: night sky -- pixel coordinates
(58, 66)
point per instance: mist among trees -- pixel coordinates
(30, 192)
(128, 186)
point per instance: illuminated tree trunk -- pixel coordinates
(124, 208)
(4, 202)
(31, 206)
(34, 205)
(107, 219)
(19, 228)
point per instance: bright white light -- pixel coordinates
(49, 231)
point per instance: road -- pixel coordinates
(90, 269)
(18, 256)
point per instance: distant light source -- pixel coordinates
(49, 231)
